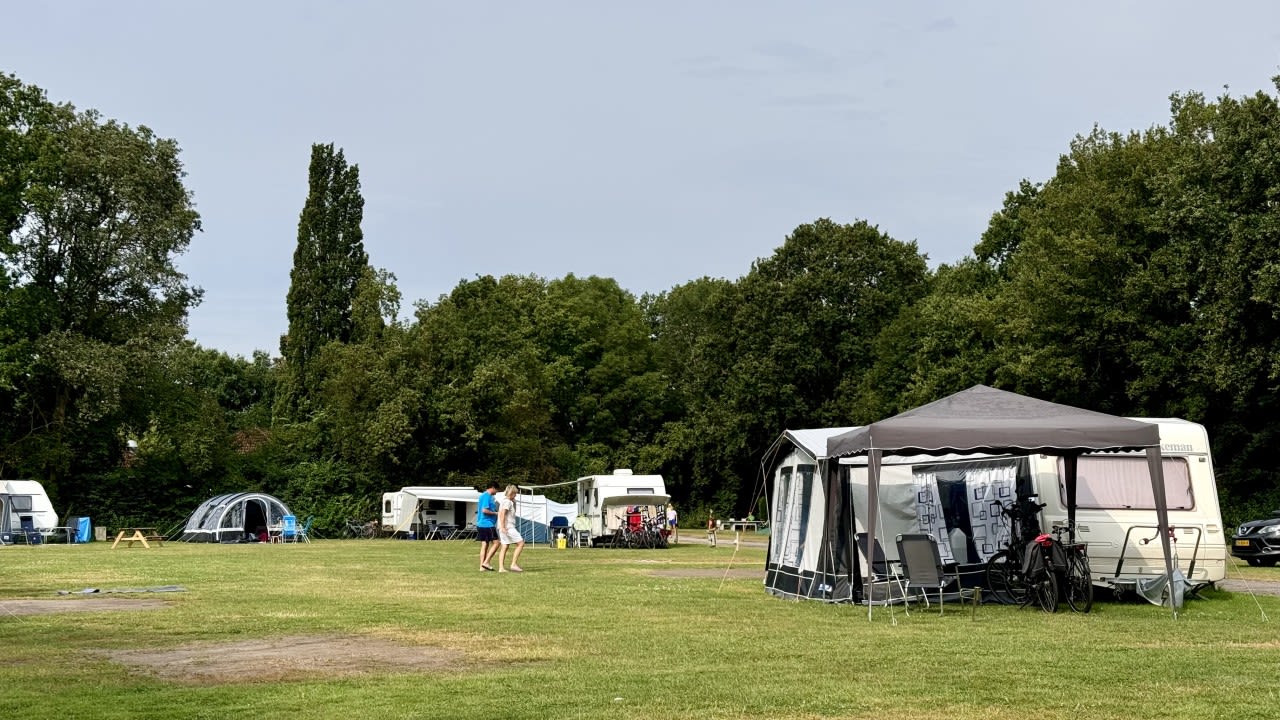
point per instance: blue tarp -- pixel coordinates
(84, 533)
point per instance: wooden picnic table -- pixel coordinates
(137, 534)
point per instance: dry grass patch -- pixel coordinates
(716, 573)
(48, 607)
(283, 658)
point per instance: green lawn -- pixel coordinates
(600, 634)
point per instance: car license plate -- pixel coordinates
(1242, 543)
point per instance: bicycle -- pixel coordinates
(362, 530)
(1004, 569)
(1022, 573)
(1068, 565)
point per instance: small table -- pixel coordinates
(137, 534)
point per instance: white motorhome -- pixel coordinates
(24, 500)
(951, 497)
(414, 511)
(604, 500)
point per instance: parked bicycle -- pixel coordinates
(1077, 583)
(363, 530)
(1019, 574)
(640, 530)
(1038, 567)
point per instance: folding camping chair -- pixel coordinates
(288, 529)
(29, 532)
(304, 530)
(881, 571)
(558, 526)
(923, 568)
(582, 531)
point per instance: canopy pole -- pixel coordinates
(1156, 465)
(1070, 464)
(873, 506)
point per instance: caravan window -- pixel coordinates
(20, 503)
(1123, 483)
(784, 496)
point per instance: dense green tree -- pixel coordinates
(695, 340)
(96, 212)
(789, 345)
(328, 265)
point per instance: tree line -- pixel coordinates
(1141, 279)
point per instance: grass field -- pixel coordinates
(393, 629)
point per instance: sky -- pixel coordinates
(652, 142)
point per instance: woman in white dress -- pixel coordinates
(507, 532)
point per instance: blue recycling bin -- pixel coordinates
(84, 531)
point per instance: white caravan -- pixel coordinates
(24, 500)
(412, 511)
(951, 496)
(604, 499)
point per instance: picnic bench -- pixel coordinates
(129, 536)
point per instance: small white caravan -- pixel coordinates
(411, 510)
(415, 511)
(24, 500)
(604, 500)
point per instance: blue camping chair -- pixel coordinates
(559, 525)
(289, 528)
(29, 532)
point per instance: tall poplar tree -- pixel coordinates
(327, 265)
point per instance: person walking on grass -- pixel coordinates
(673, 524)
(486, 525)
(507, 532)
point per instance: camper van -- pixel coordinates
(955, 498)
(604, 500)
(24, 501)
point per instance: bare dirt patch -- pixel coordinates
(732, 573)
(46, 607)
(1257, 587)
(283, 658)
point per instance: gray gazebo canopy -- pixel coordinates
(986, 420)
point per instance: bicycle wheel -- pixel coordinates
(1004, 579)
(1044, 590)
(1079, 590)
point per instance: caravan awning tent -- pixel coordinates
(986, 420)
(799, 549)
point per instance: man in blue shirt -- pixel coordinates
(486, 524)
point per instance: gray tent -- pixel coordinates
(985, 420)
(234, 517)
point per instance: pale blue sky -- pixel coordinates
(651, 142)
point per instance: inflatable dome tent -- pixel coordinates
(235, 517)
